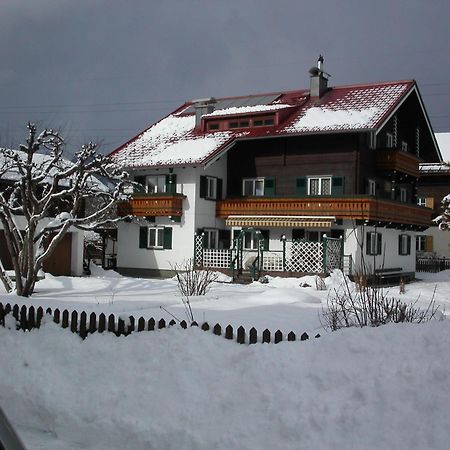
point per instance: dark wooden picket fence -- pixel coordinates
(433, 265)
(29, 317)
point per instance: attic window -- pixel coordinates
(213, 126)
(263, 122)
(240, 124)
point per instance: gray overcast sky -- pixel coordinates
(103, 70)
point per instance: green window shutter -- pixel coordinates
(167, 238)
(141, 188)
(269, 186)
(368, 243)
(399, 244)
(171, 183)
(408, 245)
(379, 243)
(300, 186)
(203, 186)
(143, 237)
(337, 186)
(219, 188)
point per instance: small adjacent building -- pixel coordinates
(292, 182)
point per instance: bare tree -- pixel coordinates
(47, 193)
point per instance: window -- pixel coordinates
(211, 237)
(250, 241)
(155, 184)
(239, 124)
(210, 187)
(372, 187)
(253, 186)
(155, 237)
(421, 243)
(213, 126)
(403, 194)
(404, 146)
(421, 201)
(404, 244)
(373, 243)
(389, 140)
(319, 186)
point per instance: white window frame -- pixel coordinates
(403, 194)
(404, 244)
(211, 187)
(159, 237)
(159, 189)
(214, 234)
(389, 140)
(253, 181)
(253, 241)
(421, 243)
(372, 187)
(321, 179)
(422, 201)
(373, 246)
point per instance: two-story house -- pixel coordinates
(433, 186)
(289, 182)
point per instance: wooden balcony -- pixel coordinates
(153, 205)
(358, 208)
(399, 160)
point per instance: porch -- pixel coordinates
(295, 258)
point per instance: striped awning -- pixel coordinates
(280, 221)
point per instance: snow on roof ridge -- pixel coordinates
(247, 109)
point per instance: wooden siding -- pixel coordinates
(398, 160)
(358, 208)
(153, 205)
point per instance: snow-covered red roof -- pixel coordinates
(175, 140)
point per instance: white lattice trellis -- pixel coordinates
(198, 250)
(272, 262)
(333, 254)
(304, 256)
(219, 259)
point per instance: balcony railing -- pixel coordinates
(358, 208)
(399, 160)
(153, 205)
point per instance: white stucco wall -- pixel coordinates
(441, 242)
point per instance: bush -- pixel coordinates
(371, 306)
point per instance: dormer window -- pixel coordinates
(239, 124)
(227, 123)
(213, 126)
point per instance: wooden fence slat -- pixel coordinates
(151, 324)
(132, 325)
(183, 324)
(291, 336)
(217, 330)
(317, 335)
(56, 316)
(161, 324)
(141, 324)
(266, 336)
(205, 326)
(39, 316)
(278, 336)
(229, 332)
(111, 323)
(304, 336)
(172, 323)
(121, 327)
(194, 324)
(31, 318)
(15, 311)
(74, 322)
(23, 318)
(65, 319)
(253, 336)
(240, 335)
(83, 325)
(48, 311)
(92, 323)
(101, 323)
(2, 315)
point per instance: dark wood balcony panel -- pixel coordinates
(153, 205)
(358, 208)
(398, 160)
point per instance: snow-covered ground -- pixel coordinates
(384, 387)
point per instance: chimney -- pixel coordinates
(318, 79)
(203, 106)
